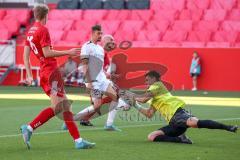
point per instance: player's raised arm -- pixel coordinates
(26, 59)
(48, 52)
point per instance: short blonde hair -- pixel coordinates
(40, 11)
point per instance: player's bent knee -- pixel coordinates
(192, 122)
(154, 134)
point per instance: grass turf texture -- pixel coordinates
(50, 142)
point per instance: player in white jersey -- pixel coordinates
(110, 71)
(92, 57)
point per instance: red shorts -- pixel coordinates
(52, 83)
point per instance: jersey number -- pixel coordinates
(32, 45)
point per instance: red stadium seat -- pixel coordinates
(110, 27)
(236, 45)
(22, 15)
(223, 4)
(175, 36)
(118, 15)
(65, 14)
(68, 43)
(167, 44)
(157, 25)
(13, 26)
(218, 45)
(225, 36)
(123, 35)
(193, 44)
(94, 14)
(178, 5)
(144, 44)
(59, 24)
(231, 26)
(167, 4)
(194, 15)
(238, 38)
(147, 35)
(78, 36)
(2, 13)
(169, 15)
(84, 25)
(199, 36)
(4, 34)
(154, 5)
(132, 25)
(214, 15)
(145, 15)
(2, 25)
(234, 15)
(56, 35)
(206, 26)
(198, 4)
(185, 25)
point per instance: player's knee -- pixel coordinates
(192, 122)
(57, 109)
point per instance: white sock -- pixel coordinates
(79, 140)
(111, 114)
(84, 112)
(30, 128)
(121, 103)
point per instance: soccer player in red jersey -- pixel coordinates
(38, 40)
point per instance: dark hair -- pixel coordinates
(96, 27)
(153, 74)
(195, 52)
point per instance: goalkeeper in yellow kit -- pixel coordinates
(172, 109)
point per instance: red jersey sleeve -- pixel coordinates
(106, 60)
(45, 38)
(27, 43)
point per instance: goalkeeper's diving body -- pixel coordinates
(172, 109)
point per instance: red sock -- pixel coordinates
(87, 117)
(72, 127)
(106, 100)
(42, 117)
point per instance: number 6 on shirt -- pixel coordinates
(32, 45)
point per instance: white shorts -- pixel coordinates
(98, 88)
(102, 86)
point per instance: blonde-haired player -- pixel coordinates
(38, 41)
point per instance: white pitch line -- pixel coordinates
(100, 128)
(84, 129)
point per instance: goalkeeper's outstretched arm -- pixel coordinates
(148, 112)
(143, 98)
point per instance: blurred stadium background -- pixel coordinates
(161, 31)
(166, 32)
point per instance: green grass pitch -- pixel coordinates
(50, 143)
